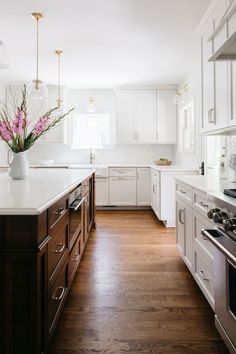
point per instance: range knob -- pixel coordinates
(229, 224)
(219, 217)
(211, 212)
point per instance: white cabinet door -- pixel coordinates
(155, 192)
(101, 189)
(232, 118)
(122, 190)
(125, 113)
(184, 215)
(145, 116)
(143, 186)
(166, 117)
(208, 88)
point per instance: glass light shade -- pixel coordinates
(37, 91)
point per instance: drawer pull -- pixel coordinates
(76, 257)
(182, 191)
(204, 204)
(202, 274)
(60, 248)
(60, 211)
(58, 293)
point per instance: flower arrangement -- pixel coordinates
(19, 132)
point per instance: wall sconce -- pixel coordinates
(178, 95)
(91, 108)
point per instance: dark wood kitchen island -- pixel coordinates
(38, 255)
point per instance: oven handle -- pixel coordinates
(76, 207)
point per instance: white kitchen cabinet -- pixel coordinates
(184, 232)
(102, 191)
(155, 191)
(215, 80)
(146, 116)
(125, 114)
(166, 117)
(143, 186)
(122, 191)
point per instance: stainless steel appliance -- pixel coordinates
(223, 236)
(75, 214)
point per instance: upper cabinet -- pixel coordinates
(215, 80)
(166, 117)
(145, 116)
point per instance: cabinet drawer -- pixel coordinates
(200, 223)
(156, 176)
(200, 202)
(204, 273)
(75, 256)
(184, 192)
(58, 244)
(122, 171)
(57, 210)
(56, 297)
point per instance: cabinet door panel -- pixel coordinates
(101, 191)
(221, 95)
(125, 116)
(145, 114)
(122, 190)
(166, 117)
(143, 186)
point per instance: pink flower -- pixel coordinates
(41, 125)
(18, 123)
(5, 132)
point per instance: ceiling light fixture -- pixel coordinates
(37, 90)
(91, 108)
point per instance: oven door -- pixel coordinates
(75, 220)
(225, 294)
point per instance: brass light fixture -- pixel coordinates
(37, 90)
(59, 52)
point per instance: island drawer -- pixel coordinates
(74, 258)
(56, 298)
(200, 202)
(58, 244)
(57, 210)
(85, 187)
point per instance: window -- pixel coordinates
(91, 131)
(187, 129)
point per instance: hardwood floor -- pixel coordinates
(133, 294)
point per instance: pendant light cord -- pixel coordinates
(37, 56)
(59, 80)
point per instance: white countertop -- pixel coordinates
(39, 191)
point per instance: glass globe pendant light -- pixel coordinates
(37, 90)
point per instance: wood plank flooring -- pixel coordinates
(133, 294)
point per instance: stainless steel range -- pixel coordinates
(223, 236)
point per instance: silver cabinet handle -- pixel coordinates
(202, 274)
(59, 248)
(60, 211)
(76, 257)
(204, 204)
(210, 119)
(61, 291)
(182, 191)
(181, 213)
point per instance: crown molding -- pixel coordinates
(207, 14)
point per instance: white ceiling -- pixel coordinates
(105, 42)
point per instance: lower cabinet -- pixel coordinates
(38, 261)
(143, 186)
(102, 191)
(195, 250)
(184, 232)
(123, 191)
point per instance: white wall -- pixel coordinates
(193, 80)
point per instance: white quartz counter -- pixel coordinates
(37, 193)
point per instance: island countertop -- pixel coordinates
(39, 191)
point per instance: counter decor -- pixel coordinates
(20, 133)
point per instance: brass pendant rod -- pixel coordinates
(37, 55)
(59, 100)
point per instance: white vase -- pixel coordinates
(19, 165)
